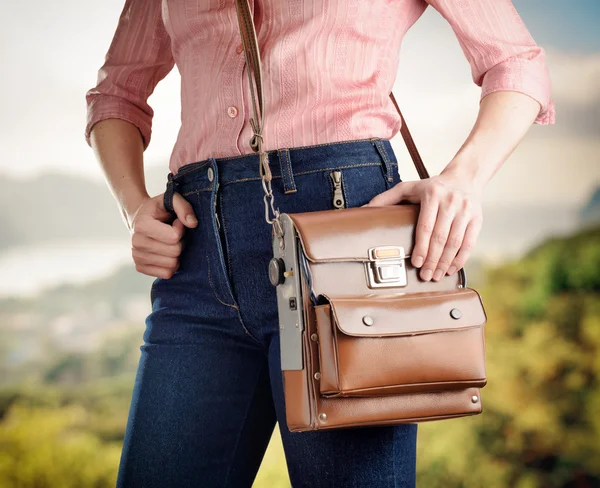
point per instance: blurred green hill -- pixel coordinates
(63, 406)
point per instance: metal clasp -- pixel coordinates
(386, 267)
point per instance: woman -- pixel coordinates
(208, 389)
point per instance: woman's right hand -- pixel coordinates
(155, 243)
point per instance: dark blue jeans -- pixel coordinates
(208, 390)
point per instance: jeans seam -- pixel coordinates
(384, 155)
(213, 288)
(196, 191)
(344, 191)
(290, 173)
(358, 165)
(394, 477)
(228, 268)
(239, 435)
(226, 265)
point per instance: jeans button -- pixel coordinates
(211, 175)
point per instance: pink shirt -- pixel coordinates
(328, 65)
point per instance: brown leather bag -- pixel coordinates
(364, 341)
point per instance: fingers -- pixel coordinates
(155, 271)
(453, 244)
(144, 243)
(151, 259)
(160, 231)
(437, 239)
(155, 257)
(424, 229)
(184, 211)
(399, 192)
(156, 243)
(447, 228)
(470, 237)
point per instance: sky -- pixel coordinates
(51, 53)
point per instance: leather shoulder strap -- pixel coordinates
(250, 43)
(410, 143)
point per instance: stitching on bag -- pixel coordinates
(407, 298)
(422, 383)
(212, 286)
(312, 404)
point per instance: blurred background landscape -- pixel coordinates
(72, 306)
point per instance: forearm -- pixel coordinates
(503, 120)
(118, 147)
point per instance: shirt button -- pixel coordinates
(232, 111)
(239, 48)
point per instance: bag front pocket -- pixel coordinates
(400, 344)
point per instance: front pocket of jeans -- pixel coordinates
(363, 183)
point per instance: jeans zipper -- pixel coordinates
(215, 209)
(338, 195)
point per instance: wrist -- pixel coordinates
(131, 206)
(469, 169)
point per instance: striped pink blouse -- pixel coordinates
(328, 65)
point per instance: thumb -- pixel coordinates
(184, 211)
(400, 191)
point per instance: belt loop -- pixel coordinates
(379, 145)
(287, 175)
(168, 196)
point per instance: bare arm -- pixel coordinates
(155, 243)
(119, 127)
(118, 147)
(451, 217)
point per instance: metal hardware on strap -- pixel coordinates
(252, 54)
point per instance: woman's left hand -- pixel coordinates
(450, 219)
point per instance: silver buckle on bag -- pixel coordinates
(386, 267)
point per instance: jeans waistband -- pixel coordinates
(287, 162)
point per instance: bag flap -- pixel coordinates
(415, 313)
(347, 234)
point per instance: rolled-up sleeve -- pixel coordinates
(500, 50)
(139, 56)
